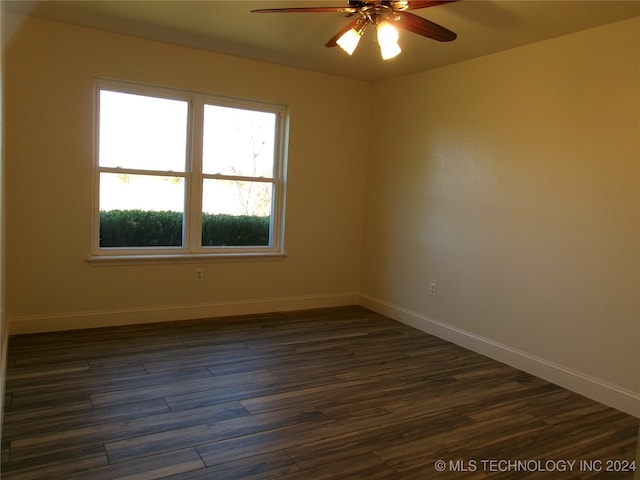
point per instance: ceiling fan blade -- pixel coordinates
(306, 10)
(424, 27)
(347, 27)
(416, 4)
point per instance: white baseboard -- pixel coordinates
(107, 318)
(594, 388)
(591, 387)
(4, 347)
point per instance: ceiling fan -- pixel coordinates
(383, 15)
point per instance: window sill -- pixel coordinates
(104, 260)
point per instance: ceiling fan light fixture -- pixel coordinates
(349, 40)
(388, 40)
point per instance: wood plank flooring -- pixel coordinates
(327, 394)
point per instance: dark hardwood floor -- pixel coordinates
(328, 394)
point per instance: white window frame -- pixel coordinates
(194, 177)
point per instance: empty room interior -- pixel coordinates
(448, 284)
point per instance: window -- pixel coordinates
(182, 173)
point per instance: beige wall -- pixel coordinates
(4, 327)
(513, 182)
(50, 84)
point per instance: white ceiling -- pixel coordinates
(297, 39)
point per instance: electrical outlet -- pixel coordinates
(199, 274)
(433, 289)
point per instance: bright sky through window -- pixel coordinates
(149, 133)
(142, 133)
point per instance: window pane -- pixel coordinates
(238, 142)
(236, 213)
(141, 132)
(141, 210)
